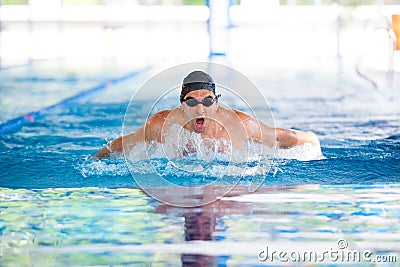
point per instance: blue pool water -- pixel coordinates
(61, 207)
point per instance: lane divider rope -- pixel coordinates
(16, 124)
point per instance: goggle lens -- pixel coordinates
(207, 102)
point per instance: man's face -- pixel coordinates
(198, 117)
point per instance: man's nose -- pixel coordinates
(200, 109)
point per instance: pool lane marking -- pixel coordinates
(16, 124)
(28, 63)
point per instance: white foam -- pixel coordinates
(207, 157)
(178, 139)
(99, 167)
(305, 152)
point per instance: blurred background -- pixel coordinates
(274, 42)
(250, 32)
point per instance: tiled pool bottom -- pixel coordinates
(276, 225)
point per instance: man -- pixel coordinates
(200, 113)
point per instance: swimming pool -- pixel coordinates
(59, 207)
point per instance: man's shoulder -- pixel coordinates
(241, 114)
(161, 117)
(234, 112)
(154, 125)
(158, 118)
(161, 114)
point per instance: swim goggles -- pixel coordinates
(207, 102)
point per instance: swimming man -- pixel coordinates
(200, 113)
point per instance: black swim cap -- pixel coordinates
(197, 80)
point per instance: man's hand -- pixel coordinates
(290, 138)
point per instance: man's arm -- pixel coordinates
(282, 138)
(290, 138)
(116, 146)
(151, 130)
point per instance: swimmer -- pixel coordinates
(200, 113)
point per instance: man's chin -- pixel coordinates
(198, 129)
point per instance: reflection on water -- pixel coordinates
(200, 224)
(206, 222)
(92, 226)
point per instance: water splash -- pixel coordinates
(186, 158)
(112, 167)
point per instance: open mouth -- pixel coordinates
(199, 122)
